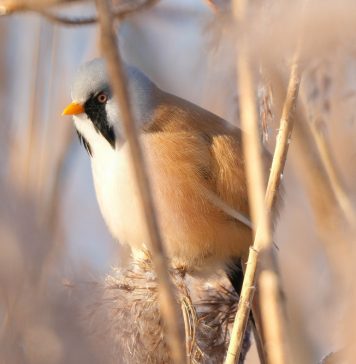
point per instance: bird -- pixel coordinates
(196, 168)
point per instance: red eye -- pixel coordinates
(102, 98)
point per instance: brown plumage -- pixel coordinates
(195, 151)
(195, 165)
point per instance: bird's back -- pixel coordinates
(195, 157)
(225, 172)
(195, 164)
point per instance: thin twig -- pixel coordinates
(168, 302)
(123, 11)
(9, 7)
(334, 176)
(120, 14)
(284, 136)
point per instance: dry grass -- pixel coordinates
(51, 315)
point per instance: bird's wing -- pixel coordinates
(226, 186)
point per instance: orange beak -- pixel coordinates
(73, 109)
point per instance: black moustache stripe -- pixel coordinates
(85, 143)
(96, 112)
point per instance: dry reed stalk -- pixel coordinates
(11, 6)
(120, 13)
(339, 254)
(317, 132)
(124, 11)
(335, 179)
(44, 158)
(168, 302)
(255, 181)
(242, 314)
(263, 205)
(318, 187)
(38, 178)
(286, 125)
(277, 167)
(248, 121)
(271, 317)
(269, 297)
(50, 208)
(312, 164)
(321, 195)
(40, 7)
(21, 163)
(252, 152)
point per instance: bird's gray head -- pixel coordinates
(95, 112)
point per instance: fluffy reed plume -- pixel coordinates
(126, 313)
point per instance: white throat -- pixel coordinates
(113, 180)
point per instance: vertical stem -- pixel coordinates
(32, 129)
(45, 157)
(268, 281)
(271, 313)
(284, 135)
(336, 182)
(261, 205)
(168, 302)
(255, 181)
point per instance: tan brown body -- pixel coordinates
(195, 164)
(195, 152)
(191, 155)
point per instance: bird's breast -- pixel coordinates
(195, 232)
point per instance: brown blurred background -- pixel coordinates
(54, 246)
